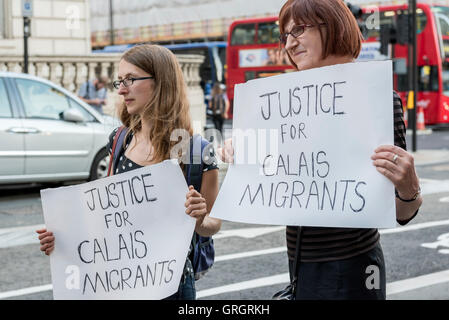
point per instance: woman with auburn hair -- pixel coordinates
(340, 263)
(154, 105)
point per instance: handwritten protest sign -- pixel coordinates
(303, 143)
(122, 237)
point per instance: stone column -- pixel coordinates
(42, 70)
(14, 67)
(56, 73)
(105, 69)
(190, 65)
(91, 74)
(68, 80)
(81, 75)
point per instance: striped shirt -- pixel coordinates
(319, 244)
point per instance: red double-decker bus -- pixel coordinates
(253, 42)
(432, 55)
(253, 51)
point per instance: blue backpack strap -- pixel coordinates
(195, 167)
(203, 247)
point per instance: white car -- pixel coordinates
(48, 134)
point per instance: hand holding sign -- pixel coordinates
(196, 205)
(226, 153)
(398, 166)
(47, 241)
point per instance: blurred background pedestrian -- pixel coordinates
(219, 104)
(94, 93)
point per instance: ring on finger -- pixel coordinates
(395, 158)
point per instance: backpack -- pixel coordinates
(203, 253)
(218, 109)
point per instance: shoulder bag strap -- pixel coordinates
(114, 146)
(196, 165)
(297, 260)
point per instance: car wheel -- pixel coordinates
(100, 166)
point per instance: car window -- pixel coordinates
(5, 108)
(84, 112)
(41, 100)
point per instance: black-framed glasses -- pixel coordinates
(128, 82)
(296, 31)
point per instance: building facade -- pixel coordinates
(60, 50)
(57, 28)
(173, 21)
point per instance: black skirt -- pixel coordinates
(358, 278)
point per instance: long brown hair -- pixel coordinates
(216, 89)
(168, 107)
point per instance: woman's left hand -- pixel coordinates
(399, 167)
(196, 205)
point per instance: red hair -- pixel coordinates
(342, 36)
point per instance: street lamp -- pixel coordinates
(413, 67)
(111, 21)
(27, 13)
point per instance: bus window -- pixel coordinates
(250, 75)
(385, 18)
(442, 13)
(222, 55)
(446, 47)
(446, 79)
(390, 17)
(421, 20)
(444, 23)
(268, 33)
(243, 34)
(427, 79)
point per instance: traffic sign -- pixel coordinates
(27, 8)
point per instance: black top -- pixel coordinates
(125, 164)
(320, 244)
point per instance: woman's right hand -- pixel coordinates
(226, 152)
(47, 240)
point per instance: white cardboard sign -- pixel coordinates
(121, 237)
(303, 143)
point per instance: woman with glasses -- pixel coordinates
(154, 105)
(340, 263)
